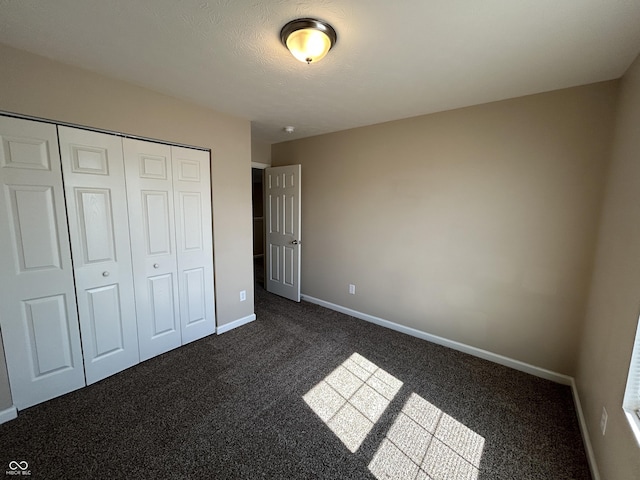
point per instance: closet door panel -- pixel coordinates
(192, 192)
(106, 321)
(38, 317)
(156, 222)
(47, 323)
(195, 296)
(96, 242)
(162, 307)
(32, 211)
(93, 167)
(151, 207)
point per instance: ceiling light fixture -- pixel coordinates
(308, 39)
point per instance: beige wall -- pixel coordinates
(34, 85)
(477, 225)
(614, 301)
(260, 152)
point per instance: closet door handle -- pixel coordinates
(105, 274)
(155, 265)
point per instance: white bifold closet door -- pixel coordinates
(150, 192)
(136, 235)
(38, 313)
(194, 242)
(94, 181)
(170, 213)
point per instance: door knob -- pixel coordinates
(155, 265)
(296, 242)
(105, 274)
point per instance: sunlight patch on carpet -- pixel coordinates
(351, 399)
(424, 443)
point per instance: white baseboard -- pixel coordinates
(8, 414)
(476, 352)
(586, 439)
(235, 324)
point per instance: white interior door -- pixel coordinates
(282, 230)
(194, 243)
(38, 313)
(94, 181)
(151, 213)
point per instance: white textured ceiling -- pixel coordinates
(393, 59)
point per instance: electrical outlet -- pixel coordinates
(352, 289)
(603, 420)
(243, 295)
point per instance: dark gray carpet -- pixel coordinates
(232, 406)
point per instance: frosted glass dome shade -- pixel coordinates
(307, 39)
